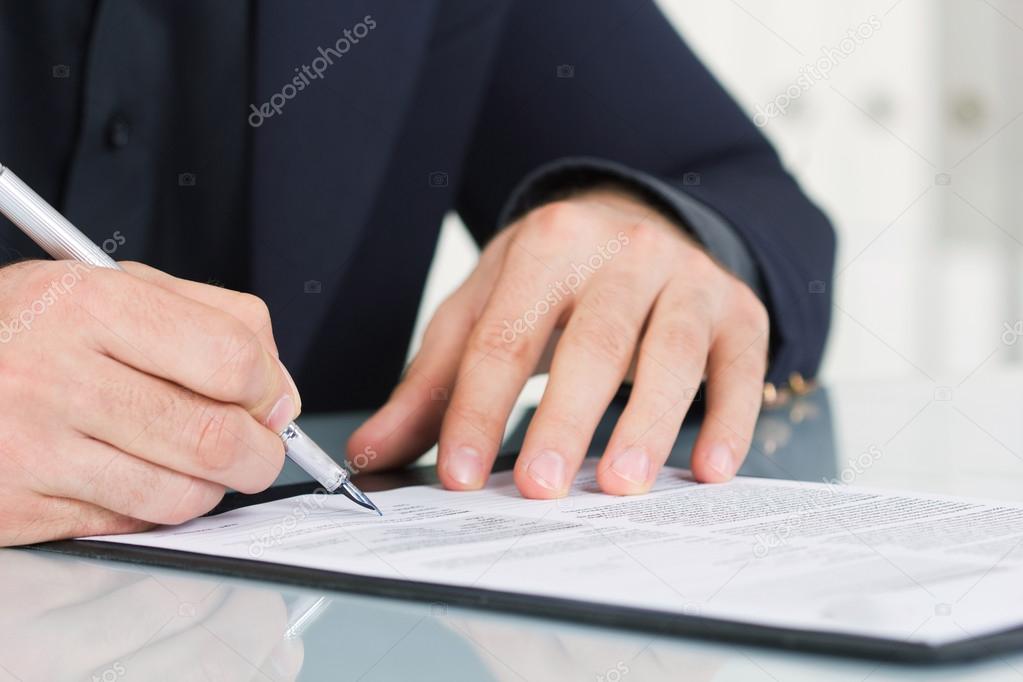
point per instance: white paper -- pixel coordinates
(903, 566)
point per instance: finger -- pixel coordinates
(589, 364)
(409, 423)
(188, 343)
(248, 309)
(735, 380)
(54, 518)
(500, 355)
(174, 429)
(672, 358)
(101, 475)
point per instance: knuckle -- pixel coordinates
(211, 440)
(555, 221)
(28, 273)
(608, 341)
(482, 422)
(614, 293)
(696, 257)
(756, 312)
(140, 498)
(240, 357)
(684, 336)
(448, 308)
(495, 340)
(100, 282)
(667, 397)
(254, 310)
(568, 423)
(699, 266)
(41, 285)
(750, 368)
(266, 455)
(750, 317)
(703, 304)
(647, 236)
(447, 319)
(135, 266)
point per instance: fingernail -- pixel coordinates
(548, 469)
(294, 388)
(282, 413)
(721, 460)
(465, 465)
(633, 465)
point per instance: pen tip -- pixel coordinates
(349, 490)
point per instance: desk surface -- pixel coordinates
(65, 618)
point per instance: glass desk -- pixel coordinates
(69, 618)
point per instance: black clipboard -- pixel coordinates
(811, 435)
(656, 622)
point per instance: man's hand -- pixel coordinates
(130, 399)
(609, 290)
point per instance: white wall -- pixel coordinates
(913, 145)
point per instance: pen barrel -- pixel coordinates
(45, 225)
(314, 461)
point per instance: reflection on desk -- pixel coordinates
(67, 618)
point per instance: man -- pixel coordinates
(636, 228)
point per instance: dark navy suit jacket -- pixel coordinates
(479, 106)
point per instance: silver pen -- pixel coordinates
(58, 237)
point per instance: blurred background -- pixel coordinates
(901, 119)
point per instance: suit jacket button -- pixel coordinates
(118, 131)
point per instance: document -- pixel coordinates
(811, 556)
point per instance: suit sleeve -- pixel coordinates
(593, 90)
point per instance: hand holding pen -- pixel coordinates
(132, 397)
